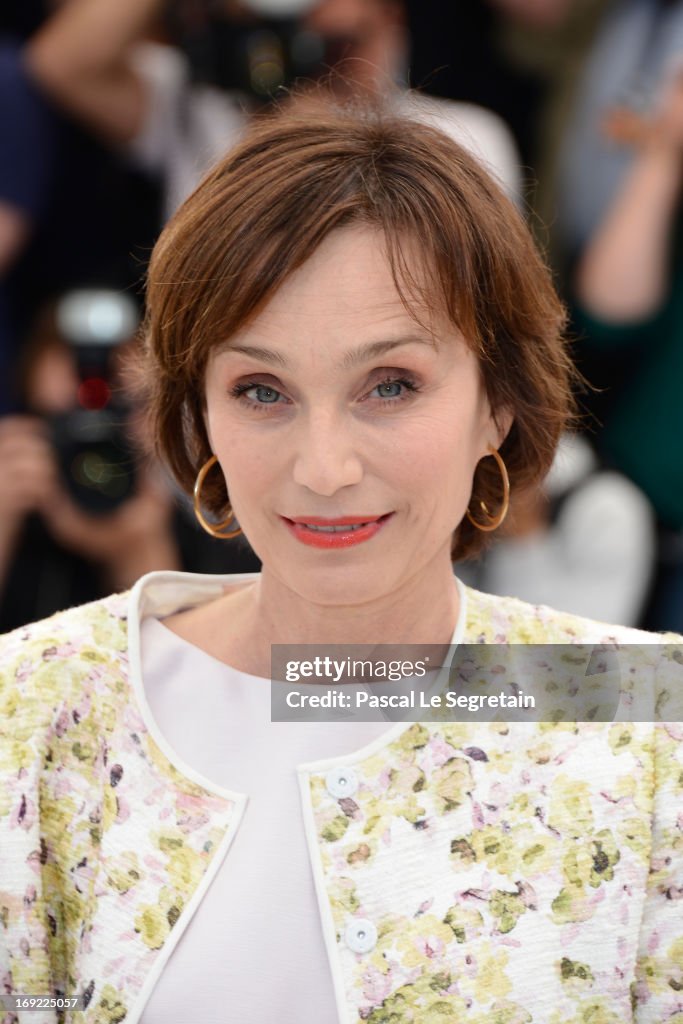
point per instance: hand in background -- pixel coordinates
(29, 468)
(135, 538)
(624, 275)
(28, 475)
(663, 128)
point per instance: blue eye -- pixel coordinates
(264, 394)
(390, 389)
(256, 394)
(395, 389)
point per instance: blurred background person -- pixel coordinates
(28, 129)
(585, 540)
(523, 60)
(588, 541)
(178, 108)
(73, 212)
(610, 187)
(54, 549)
(83, 510)
(501, 54)
(635, 44)
(631, 296)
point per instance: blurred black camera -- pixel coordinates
(92, 440)
(257, 51)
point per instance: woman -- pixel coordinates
(349, 326)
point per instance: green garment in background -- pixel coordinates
(642, 435)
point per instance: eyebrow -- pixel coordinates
(351, 358)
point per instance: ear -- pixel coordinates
(496, 430)
(502, 424)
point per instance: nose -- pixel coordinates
(327, 457)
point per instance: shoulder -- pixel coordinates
(79, 625)
(494, 619)
(651, 663)
(47, 659)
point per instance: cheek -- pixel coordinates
(442, 474)
(250, 463)
(439, 459)
(438, 444)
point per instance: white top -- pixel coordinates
(254, 950)
(189, 127)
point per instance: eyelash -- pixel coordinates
(238, 391)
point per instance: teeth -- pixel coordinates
(334, 529)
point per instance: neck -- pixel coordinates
(244, 624)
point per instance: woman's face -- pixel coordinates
(334, 408)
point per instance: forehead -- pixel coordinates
(346, 289)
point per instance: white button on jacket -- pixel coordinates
(341, 782)
(361, 935)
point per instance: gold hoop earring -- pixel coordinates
(215, 529)
(494, 523)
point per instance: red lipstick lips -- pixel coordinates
(343, 532)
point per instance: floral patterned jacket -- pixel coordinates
(494, 873)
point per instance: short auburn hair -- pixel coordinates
(297, 175)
